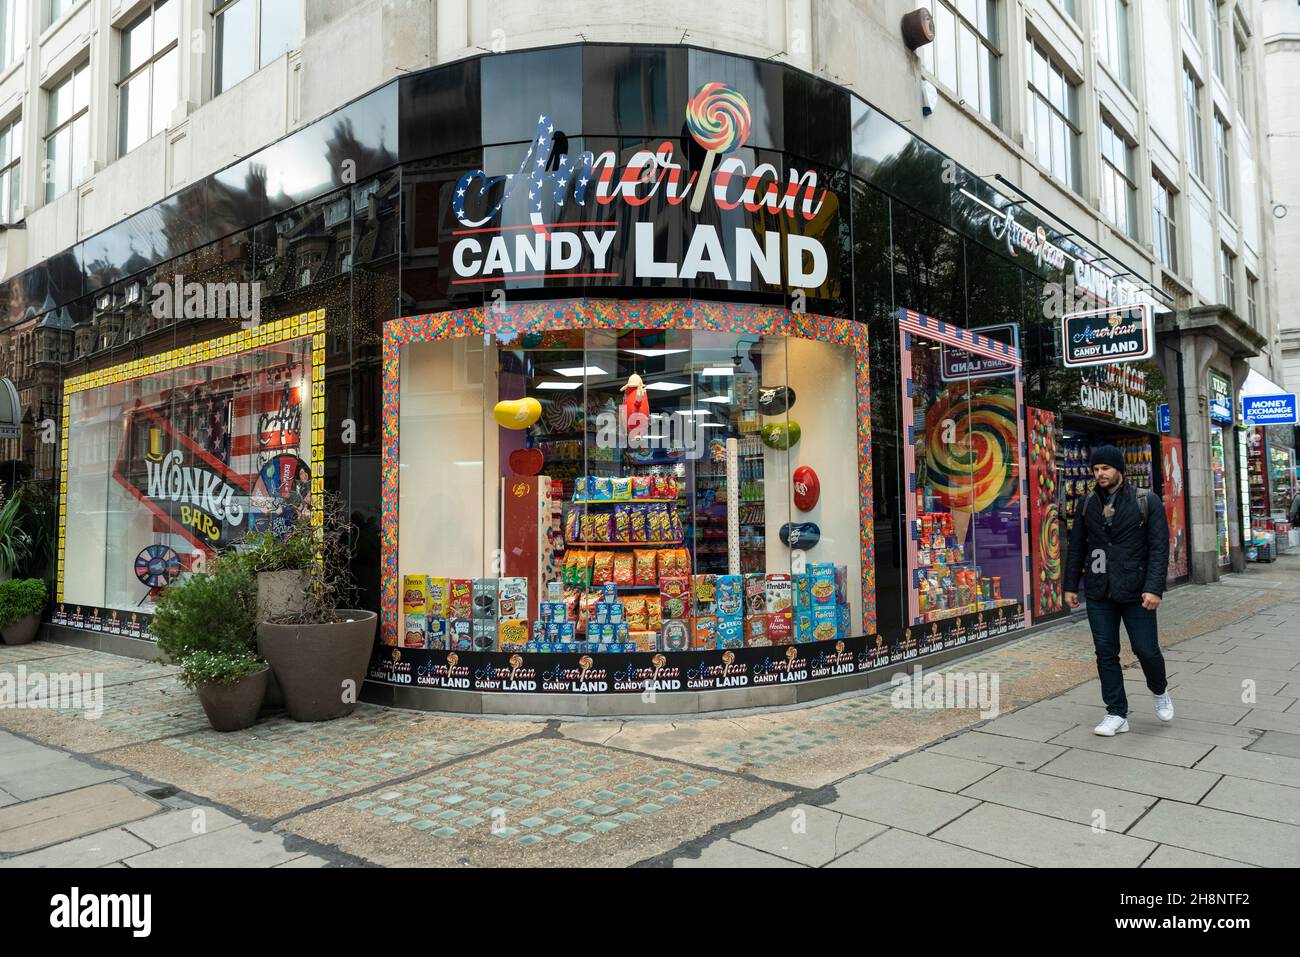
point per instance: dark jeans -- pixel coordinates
(1104, 616)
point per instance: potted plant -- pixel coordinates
(15, 543)
(21, 602)
(320, 652)
(280, 565)
(205, 623)
(230, 684)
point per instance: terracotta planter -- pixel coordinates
(233, 707)
(22, 631)
(315, 663)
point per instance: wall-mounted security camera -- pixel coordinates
(918, 28)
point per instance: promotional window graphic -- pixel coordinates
(1044, 513)
(1171, 451)
(959, 365)
(1105, 336)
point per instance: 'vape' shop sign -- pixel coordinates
(1107, 336)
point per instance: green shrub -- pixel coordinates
(20, 597)
(15, 543)
(219, 667)
(265, 552)
(208, 611)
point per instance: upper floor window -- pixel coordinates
(1239, 68)
(250, 34)
(1222, 163)
(1227, 267)
(1189, 14)
(1192, 116)
(1053, 115)
(1252, 290)
(67, 140)
(1164, 234)
(1112, 37)
(11, 147)
(1214, 36)
(13, 30)
(150, 75)
(55, 9)
(1118, 189)
(965, 55)
(1072, 8)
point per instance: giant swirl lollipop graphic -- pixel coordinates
(718, 118)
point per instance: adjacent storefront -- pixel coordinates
(687, 373)
(1221, 445)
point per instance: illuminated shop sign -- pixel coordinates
(632, 212)
(1105, 336)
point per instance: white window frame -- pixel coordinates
(1194, 119)
(1227, 277)
(1116, 177)
(986, 98)
(1072, 124)
(1223, 161)
(1112, 32)
(217, 8)
(1164, 223)
(11, 167)
(13, 31)
(74, 175)
(149, 11)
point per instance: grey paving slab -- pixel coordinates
(897, 849)
(897, 803)
(1226, 697)
(6, 799)
(51, 776)
(93, 850)
(1038, 726)
(997, 749)
(1042, 841)
(180, 825)
(1134, 744)
(1243, 671)
(235, 846)
(307, 860)
(1062, 798)
(1263, 662)
(1130, 774)
(1264, 720)
(1278, 742)
(730, 854)
(1275, 802)
(1229, 688)
(933, 770)
(1254, 765)
(1166, 856)
(1208, 711)
(1221, 834)
(1292, 689)
(45, 821)
(1189, 729)
(809, 835)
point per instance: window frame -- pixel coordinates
(12, 165)
(1223, 162)
(1164, 223)
(1194, 117)
(1252, 300)
(216, 9)
(1072, 124)
(13, 31)
(1114, 22)
(70, 81)
(1214, 37)
(1110, 134)
(1227, 276)
(148, 13)
(990, 85)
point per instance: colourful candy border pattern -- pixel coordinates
(616, 314)
(245, 340)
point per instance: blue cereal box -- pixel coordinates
(825, 620)
(533, 646)
(823, 583)
(568, 632)
(621, 632)
(731, 596)
(609, 592)
(731, 632)
(802, 583)
(461, 634)
(803, 625)
(438, 635)
(842, 620)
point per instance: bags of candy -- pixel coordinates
(623, 569)
(641, 486)
(634, 613)
(654, 612)
(623, 523)
(644, 573)
(602, 568)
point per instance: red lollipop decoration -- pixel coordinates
(807, 488)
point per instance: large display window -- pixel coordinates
(596, 477)
(170, 458)
(967, 542)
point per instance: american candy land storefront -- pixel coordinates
(699, 387)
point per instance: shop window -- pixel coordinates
(928, 265)
(13, 31)
(967, 542)
(1192, 122)
(250, 34)
(966, 56)
(163, 469)
(1052, 129)
(1164, 233)
(67, 141)
(1118, 182)
(11, 147)
(149, 83)
(1112, 35)
(536, 503)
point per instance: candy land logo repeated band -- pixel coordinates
(513, 226)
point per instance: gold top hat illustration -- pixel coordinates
(155, 445)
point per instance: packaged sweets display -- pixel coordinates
(415, 594)
(623, 568)
(609, 592)
(731, 633)
(416, 631)
(461, 634)
(756, 630)
(730, 597)
(704, 595)
(512, 598)
(676, 636)
(778, 594)
(485, 600)
(780, 628)
(675, 597)
(645, 570)
(439, 634)
(705, 634)
(485, 635)
(439, 597)
(460, 598)
(512, 634)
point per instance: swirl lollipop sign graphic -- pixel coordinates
(718, 118)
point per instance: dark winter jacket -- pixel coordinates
(1136, 556)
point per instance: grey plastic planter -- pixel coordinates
(22, 631)
(320, 668)
(233, 707)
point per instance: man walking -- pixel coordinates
(1120, 546)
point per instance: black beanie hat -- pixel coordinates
(1108, 455)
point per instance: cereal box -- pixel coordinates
(568, 632)
(676, 635)
(415, 594)
(460, 598)
(439, 635)
(803, 625)
(485, 600)
(461, 634)
(704, 596)
(842, 621)
(644, 640)
(705, 636)
(675, 597)
(512, 634)
(756, 630)
(825, 620)
(730, 596)
(780, 628)
(755, 584)
(416, 631)
(439, 596)
(841, 584)
(731, 633)
(512, 598)
(802, 587)
(822, 575)
(555, 591)
(485, 635)
(779, 594)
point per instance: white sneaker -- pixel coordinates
(1164, 707)
(1111, 725)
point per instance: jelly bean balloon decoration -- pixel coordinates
(775, 400)
(785, 435)
(718, 118)
(803, 535)
(517, 413)
(526, 461)
(807, 488)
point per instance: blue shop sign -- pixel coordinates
(1277, 409)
